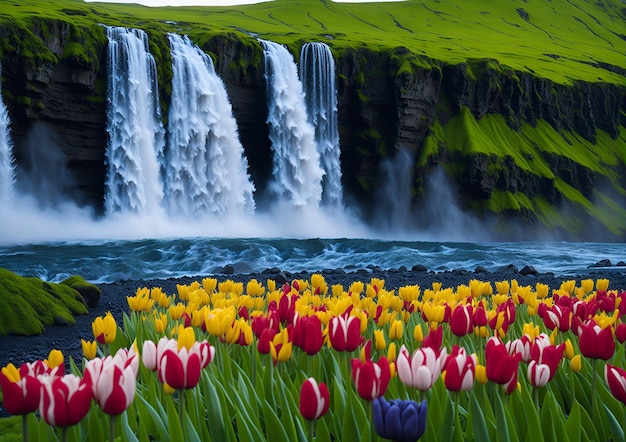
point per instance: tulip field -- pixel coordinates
(226, 361)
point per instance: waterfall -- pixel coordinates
(206, 170)
(317, 72)
(135, 128)
(296, 163)
(7, 166)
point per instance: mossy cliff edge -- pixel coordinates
(522, 104)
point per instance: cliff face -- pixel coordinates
(388, 101)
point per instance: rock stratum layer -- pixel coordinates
(536, 140)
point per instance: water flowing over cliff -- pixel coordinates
(7, 168)
(297, 171)
(205, 167)
(134, 125)
(317, 72)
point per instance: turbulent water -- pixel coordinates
(108, 261)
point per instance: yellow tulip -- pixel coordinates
(499, 299)
(576, 363)
(160, 323)
(12, 373)
(542, 290)
(503, 287)
(356, 288)
(586, 285)
(392, 370)
(409, 293)
(481, 332)
(209, 284)
(318, 284)
(104, 328)
(186, 338)
(392, 353)
(55, 358)
(481, 374)
(90, 348)
(395, 330)
(254, 288)
(167, 389)
(418, 333)
(569, 350)
(602, 285)
(436, 286)
(531, 330)
(379, 340)
(176, 311)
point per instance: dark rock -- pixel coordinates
(280, 278)
(419, 268)
(480, 269)
(528, 270)
(602, 263)
(508, 269)
(621, 264)
(228, 269)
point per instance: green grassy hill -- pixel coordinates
(560, 40)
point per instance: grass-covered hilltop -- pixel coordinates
(522, 103)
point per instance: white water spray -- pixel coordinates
(7, 165)
(205, 167)
(136, 135)
(297, 172)
(317, 72)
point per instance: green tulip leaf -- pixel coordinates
(128, 432)
(274, 428)
(477, 420)
(616, 429)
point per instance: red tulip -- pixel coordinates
(21, 392)
(462, 320)
(113, 380)
(266, 337)
(181, 367)
(548, 355)
(314, 399)
(521, 346)
(65, 400)
(616, 380)
(559, 317)
(500, 366)
(460, 369)
(596, 342)
(434, 339)
(345, 334)
(308, 334)
(371, 378)
(620, 332)
(480, 316)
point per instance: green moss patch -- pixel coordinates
(28, 305)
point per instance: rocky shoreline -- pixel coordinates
(19, 349)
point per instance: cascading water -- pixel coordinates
(297, 172)
(317, 72)
(205, 167)
(136, 134)
(7, 167)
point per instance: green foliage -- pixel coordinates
(28, 305)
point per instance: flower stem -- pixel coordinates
(311, 430)
(593, 387)
(536, 398)
(25, 427)
(63, 434)
(181, 408)
(112, 428)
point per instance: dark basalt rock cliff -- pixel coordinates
(388, 100)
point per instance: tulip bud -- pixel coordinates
(576, 363)
(379, 340)
(55, 359)
(569, 349)
(395, 330)
(89, 348)
(314, 399)
(418, 333)
(481, 374)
